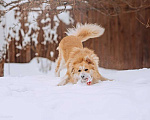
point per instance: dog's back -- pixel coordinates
(78, 35)
(66, 45)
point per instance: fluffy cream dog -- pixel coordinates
(81, 63)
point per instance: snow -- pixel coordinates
(2, 42)
(64, 7)
(28, 94)
(2, 22)
(40, 66)
(65, 17)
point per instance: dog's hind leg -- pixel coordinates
(103, 78)
(57, 69)
(64, 80)
(97, 76)
(59, 65)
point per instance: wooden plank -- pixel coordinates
(96, 41)
(146, 40)
(113, 55)
(12, 53)
(2, 68)
(28, 54)
(90, 43)
(104, 42)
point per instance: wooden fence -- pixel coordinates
(124, 45)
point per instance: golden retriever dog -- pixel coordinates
(81, 63)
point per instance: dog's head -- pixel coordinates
(83, 69)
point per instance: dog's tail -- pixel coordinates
(86, 31)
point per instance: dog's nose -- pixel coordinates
(82, 76)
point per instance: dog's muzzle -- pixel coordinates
(85, 77)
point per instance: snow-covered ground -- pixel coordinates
(27, 94)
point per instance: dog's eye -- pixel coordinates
(86, 69)
(79, 70)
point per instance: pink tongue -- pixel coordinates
(88, 83)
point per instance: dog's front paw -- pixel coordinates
(57, 74)
(63, 82)
(60, 84)
(110, 79)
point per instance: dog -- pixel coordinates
(81, 63)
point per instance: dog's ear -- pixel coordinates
(71, 67)
(72, 70)
(88, 60)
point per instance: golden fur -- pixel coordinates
(76, 58)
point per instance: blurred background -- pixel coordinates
(32, 29)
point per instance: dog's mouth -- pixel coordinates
(88, 81)
(86, 78)
(83, 80)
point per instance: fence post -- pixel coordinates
(2, 68)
